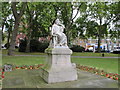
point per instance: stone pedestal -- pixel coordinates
(58, 67)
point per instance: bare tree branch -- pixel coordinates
(76, 14)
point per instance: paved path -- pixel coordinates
(72, 56)
(92, 57)
(32, 79)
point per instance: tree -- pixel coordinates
(9, 26)
(100, 13)
(6, 20)
(66, 14)
(17, 15)
(39, 19)
(30, 12)
(115, 31)
(46, 16)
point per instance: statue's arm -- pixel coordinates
(53, 31)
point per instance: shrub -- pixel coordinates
(35, 46)
(22, 46)
(42, 46)
(77, 48)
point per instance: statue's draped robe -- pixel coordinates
(61, 39)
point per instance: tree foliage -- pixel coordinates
(81, 19)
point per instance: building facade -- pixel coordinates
(106, 44)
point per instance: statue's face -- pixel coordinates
(57, 21)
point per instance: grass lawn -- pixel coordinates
(74, 54)
(23, 60)
(23, 53)
(109, 65)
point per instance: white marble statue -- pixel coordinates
(59, 39)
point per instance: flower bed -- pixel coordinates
(114, 76)
(21, 67)
(28, 67)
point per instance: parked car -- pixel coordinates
(116, 49)
(90, 48)
(3, 46)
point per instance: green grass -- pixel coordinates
(23, 53)
(22, 60)
(74, 54)
(107, 64)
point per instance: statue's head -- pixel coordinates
(57, 21)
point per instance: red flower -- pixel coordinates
(116, 78)
(16, 67)
(22, 67)
(3, 76)
(107, 75)
(2, 73)
(111, 77)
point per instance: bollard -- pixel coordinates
(103, 55)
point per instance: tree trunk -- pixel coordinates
(107, 45)
(68, 35)
(99, 42)
(28, 45)
(112, 46)
(2, 31)
(17, 17)
(0, 40)
(13, 38)
(99, 35)
(28, 42)
(8, 38)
